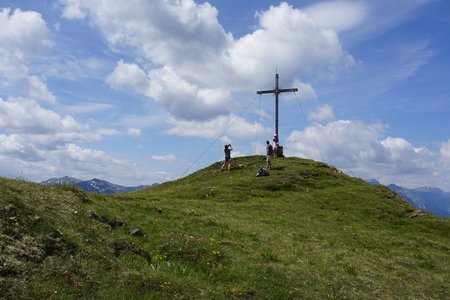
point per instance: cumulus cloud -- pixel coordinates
(286, 32)
(445, 151)
(164, 32)
(96, 163)
(14, 146)
(358, 140)
(192, 64)
(84, 163)
(24, 37)
(42, 144)
(305, 91)
(185, 100)
(31, 132)
(23, 32)
(364, 150)
(72, 10)
(181, 98)
(224, 127)
(127, 75)
(323, 113)
(338, 15)
(26, 116)
(39, 90)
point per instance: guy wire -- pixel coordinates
(221, 134)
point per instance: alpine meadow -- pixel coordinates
(306, 231)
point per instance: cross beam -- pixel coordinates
(276, 91)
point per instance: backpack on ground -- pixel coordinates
(262, 172)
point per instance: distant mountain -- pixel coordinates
(95, 185)
(104, 187)
(373, 181)
(431, 199)
(66, 180)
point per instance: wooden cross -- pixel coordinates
(276, 91)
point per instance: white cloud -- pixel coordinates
(338, 15)
(127, 75)
(41, 144)
(362, 20)
(358, 140)
(305, 91)
(185, 100)
(134, 132)
(192, 64)
(237, 153)
(445, 151)
(223, 127)
(165, 157)
(165, 32)
(181, 98)
(14, 146)
(288, 39)
(323, 113)
(364, 150)
(39, 90)
(23, 32)
(31, 131)
(73, 160)
(407, 157)
(26, 116)
(24, 37)
(72, 10)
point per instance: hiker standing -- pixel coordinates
(269, 155)
(227, 161)
(275, 144)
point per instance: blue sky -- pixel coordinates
(137, 92)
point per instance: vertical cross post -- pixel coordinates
(277, 91)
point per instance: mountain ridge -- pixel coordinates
(95, 185)
(431, 199)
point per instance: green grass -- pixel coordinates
(307, 231)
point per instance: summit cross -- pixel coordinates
(277, 91)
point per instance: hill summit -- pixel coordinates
(306, 231)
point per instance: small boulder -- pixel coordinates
(158, 210)
(136, 232)
(416, 213)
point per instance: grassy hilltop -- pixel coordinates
(307, 231)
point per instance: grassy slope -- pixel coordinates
(305, 231)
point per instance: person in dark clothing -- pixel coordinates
(227, 161)
(269, 155)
